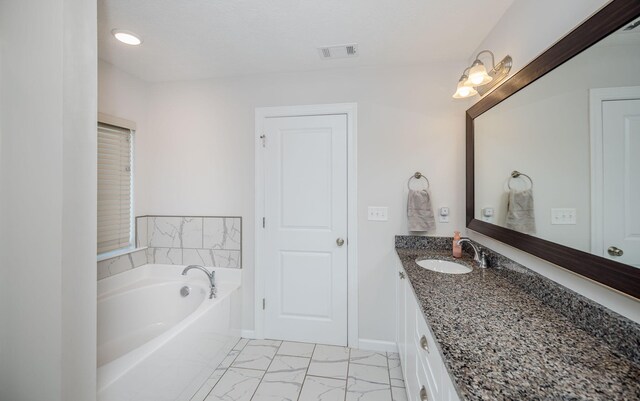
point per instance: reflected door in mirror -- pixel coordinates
(621, 180)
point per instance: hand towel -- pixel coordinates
(520, 216)
(419, 211)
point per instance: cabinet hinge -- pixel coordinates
(263, 138)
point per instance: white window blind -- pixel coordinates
(114, 188)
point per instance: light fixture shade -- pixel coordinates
(478, 75)
(464, 90)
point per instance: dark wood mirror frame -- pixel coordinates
(613, 274)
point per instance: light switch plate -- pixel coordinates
(563, 216)
(378, 213)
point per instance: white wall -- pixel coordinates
(79, 200)
(198, 154)
(202, 153)
(125, 96)
(527, 29)
(47, 200)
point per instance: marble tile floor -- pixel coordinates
(270, 370)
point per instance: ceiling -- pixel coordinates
(194, 39)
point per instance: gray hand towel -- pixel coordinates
(419, 211)
(520, 216)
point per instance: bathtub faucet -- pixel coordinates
(211, 275)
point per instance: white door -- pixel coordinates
(305, 161)
(621, 179)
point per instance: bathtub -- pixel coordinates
(153, 343)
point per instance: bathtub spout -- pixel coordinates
(211, 275)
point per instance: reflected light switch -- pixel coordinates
(563, 216)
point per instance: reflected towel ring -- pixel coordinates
(417, 175)
(517, 174)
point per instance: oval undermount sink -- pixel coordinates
(443, 266)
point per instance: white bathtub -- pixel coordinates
(154, 344)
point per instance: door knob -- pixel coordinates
(614, 251)
(340, 241)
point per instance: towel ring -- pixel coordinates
(417, 175)
(517, 174)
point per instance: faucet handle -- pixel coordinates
(483, 262)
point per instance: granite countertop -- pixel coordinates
(499, 342)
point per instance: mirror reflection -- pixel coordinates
(560, 159)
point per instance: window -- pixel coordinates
(115, 194)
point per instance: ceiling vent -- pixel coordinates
(340, 51)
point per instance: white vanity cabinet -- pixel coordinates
(425, 375)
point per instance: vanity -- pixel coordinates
(505, 333)
(423, 368)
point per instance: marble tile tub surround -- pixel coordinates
(214, 241)
(500, 340)
(121, 263)
(620, 333)
(271, 370)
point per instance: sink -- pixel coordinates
(443, 266)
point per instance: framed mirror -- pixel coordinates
(553, 154)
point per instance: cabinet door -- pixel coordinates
(422, 365)
(401, 320)
(428, 354)
(449, 391)
(412, 382)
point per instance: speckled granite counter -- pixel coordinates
(504, 336)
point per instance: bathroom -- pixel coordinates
(334, 267)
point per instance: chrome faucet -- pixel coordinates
(211, 275)
(479, 255)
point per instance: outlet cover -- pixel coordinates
(443, 216)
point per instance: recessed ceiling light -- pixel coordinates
(127, 37)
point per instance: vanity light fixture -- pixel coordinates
(127, 37)
(478, 79)
(478, 74)
(463, 89)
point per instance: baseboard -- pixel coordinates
(363, 343)
(251, 334)
(377, 345)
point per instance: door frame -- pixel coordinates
(351, 111)
(596, 98)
